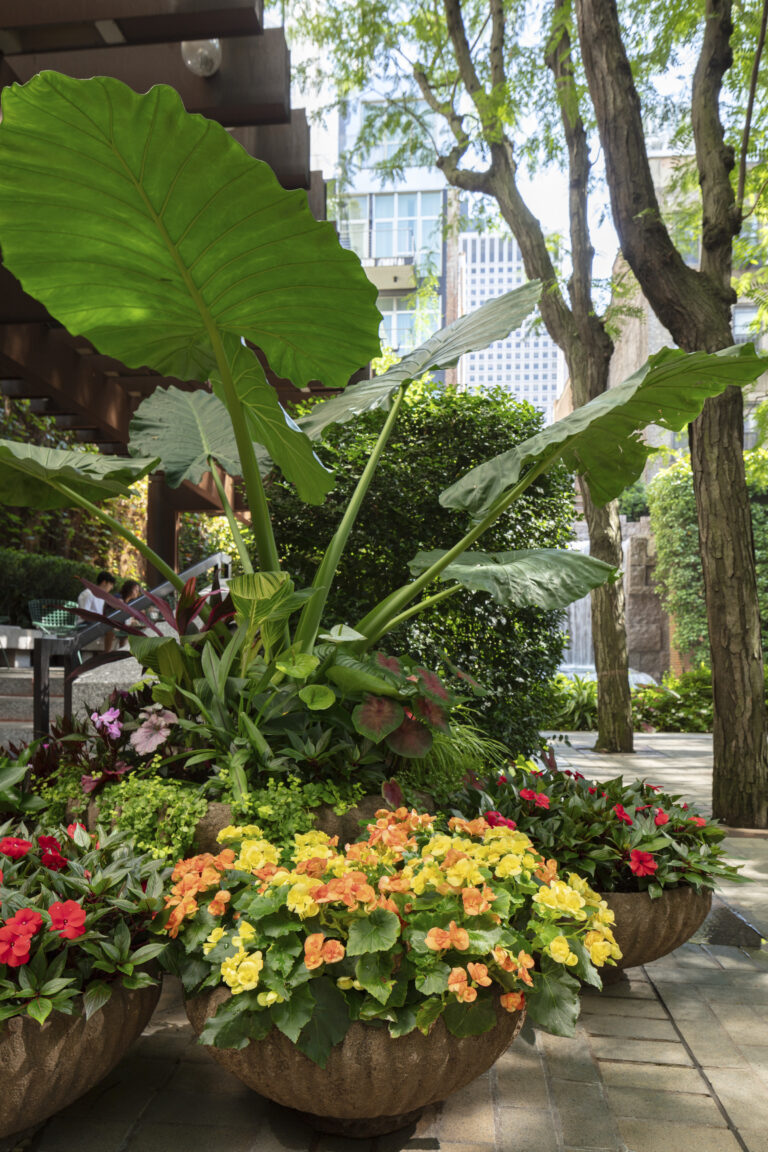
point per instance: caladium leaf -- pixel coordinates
(431, 685)
(377, 716)
(492, 321)
(431, 713)
(548, 578)
(393, 793)
(154, 234)
(30, 475)
(411, 739)
(602, 440)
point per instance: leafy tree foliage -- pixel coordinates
(439, 435)
(679, 572)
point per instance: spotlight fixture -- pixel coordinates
(203, 57)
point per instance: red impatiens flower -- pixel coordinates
(502, 779)
(48, 844)
(72, 828)
(622, 814)
(660, 818)
(53, 860)
(642, 863)
(14, 847)
(496, 820)
(699, 821)
(68, 919)
(540, 799)
(26, 922)
(14, 947)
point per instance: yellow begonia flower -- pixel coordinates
(560, 950)
(582, 887)
(509, 865)
(604, 914)
(213, 940)
(437, 846)
(309, 845)
(248, 972)
(598, 947)
(254, 854)
(428, 876)
(345, 983)
(299, 897)
(267, 998)
(560, 897)
(245, 932)
(464, 873)
(229, 970)
(238, 832)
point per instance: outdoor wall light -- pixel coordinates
(203, 57)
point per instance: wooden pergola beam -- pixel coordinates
(252, 86)
(52, 25)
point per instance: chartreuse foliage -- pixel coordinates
(625, 835)
(411, 923)
(153, 234)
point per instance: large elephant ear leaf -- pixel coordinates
(602, 441)
(184, 429)
(153, 233)
(43, 478)
(492, 321)
(270, 425)
(547, 578)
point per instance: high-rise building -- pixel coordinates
(528, 363)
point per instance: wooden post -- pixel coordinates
(162, 531)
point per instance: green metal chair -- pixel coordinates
(54, 617)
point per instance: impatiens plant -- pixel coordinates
(625, 835)
(75, 918)
(411, 923)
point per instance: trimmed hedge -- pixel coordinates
(26, 576)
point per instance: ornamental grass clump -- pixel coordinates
(75, 918)
(625, 835)
(411, 923)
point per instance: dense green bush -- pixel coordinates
(439, 436)
(633, 502)
(573, 704)
(28, 576)
(678, 573)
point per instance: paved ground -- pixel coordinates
(673, 1059)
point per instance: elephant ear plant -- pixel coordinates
(154, 235)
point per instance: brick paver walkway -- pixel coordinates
(673, 1059)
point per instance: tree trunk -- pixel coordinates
(609, 638)
(740, 780)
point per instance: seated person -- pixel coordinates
(90, 602)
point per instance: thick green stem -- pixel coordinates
(429, 602)
(261, 522)
(120, 530)
(311, 615)
(379, 619)
(234, 528)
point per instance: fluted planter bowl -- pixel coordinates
(43, 1069)
(647, 929)
(371, 1084)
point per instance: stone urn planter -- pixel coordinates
(372, 1084)
(43, 1069)
(646, 929)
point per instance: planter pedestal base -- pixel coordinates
(362, 1127)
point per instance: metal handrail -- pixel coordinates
(69, 647)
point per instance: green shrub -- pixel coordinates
(679, 576)
(680, 704)
(440, 435)
(30, 576)
(573, 704)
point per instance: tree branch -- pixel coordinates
(714, 158)
(560, 62)
(673, 289)
(467, 71)
(750, 108)
(496, 52)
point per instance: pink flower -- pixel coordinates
(660, 818)
(622, 814)
(153, 732)
(108, 723)
(642, 863)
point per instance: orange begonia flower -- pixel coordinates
(503, 959)
(479, 973)
(476, 827)
(315, 867)
(547, 871)
(474, 902)
(513, 1001)
(313, 950)
(457, 983)
(437, 939)
(218, 905)
(524, 962)
(333, 951)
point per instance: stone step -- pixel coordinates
(14, 731)
(20, 708)
(20, 681)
